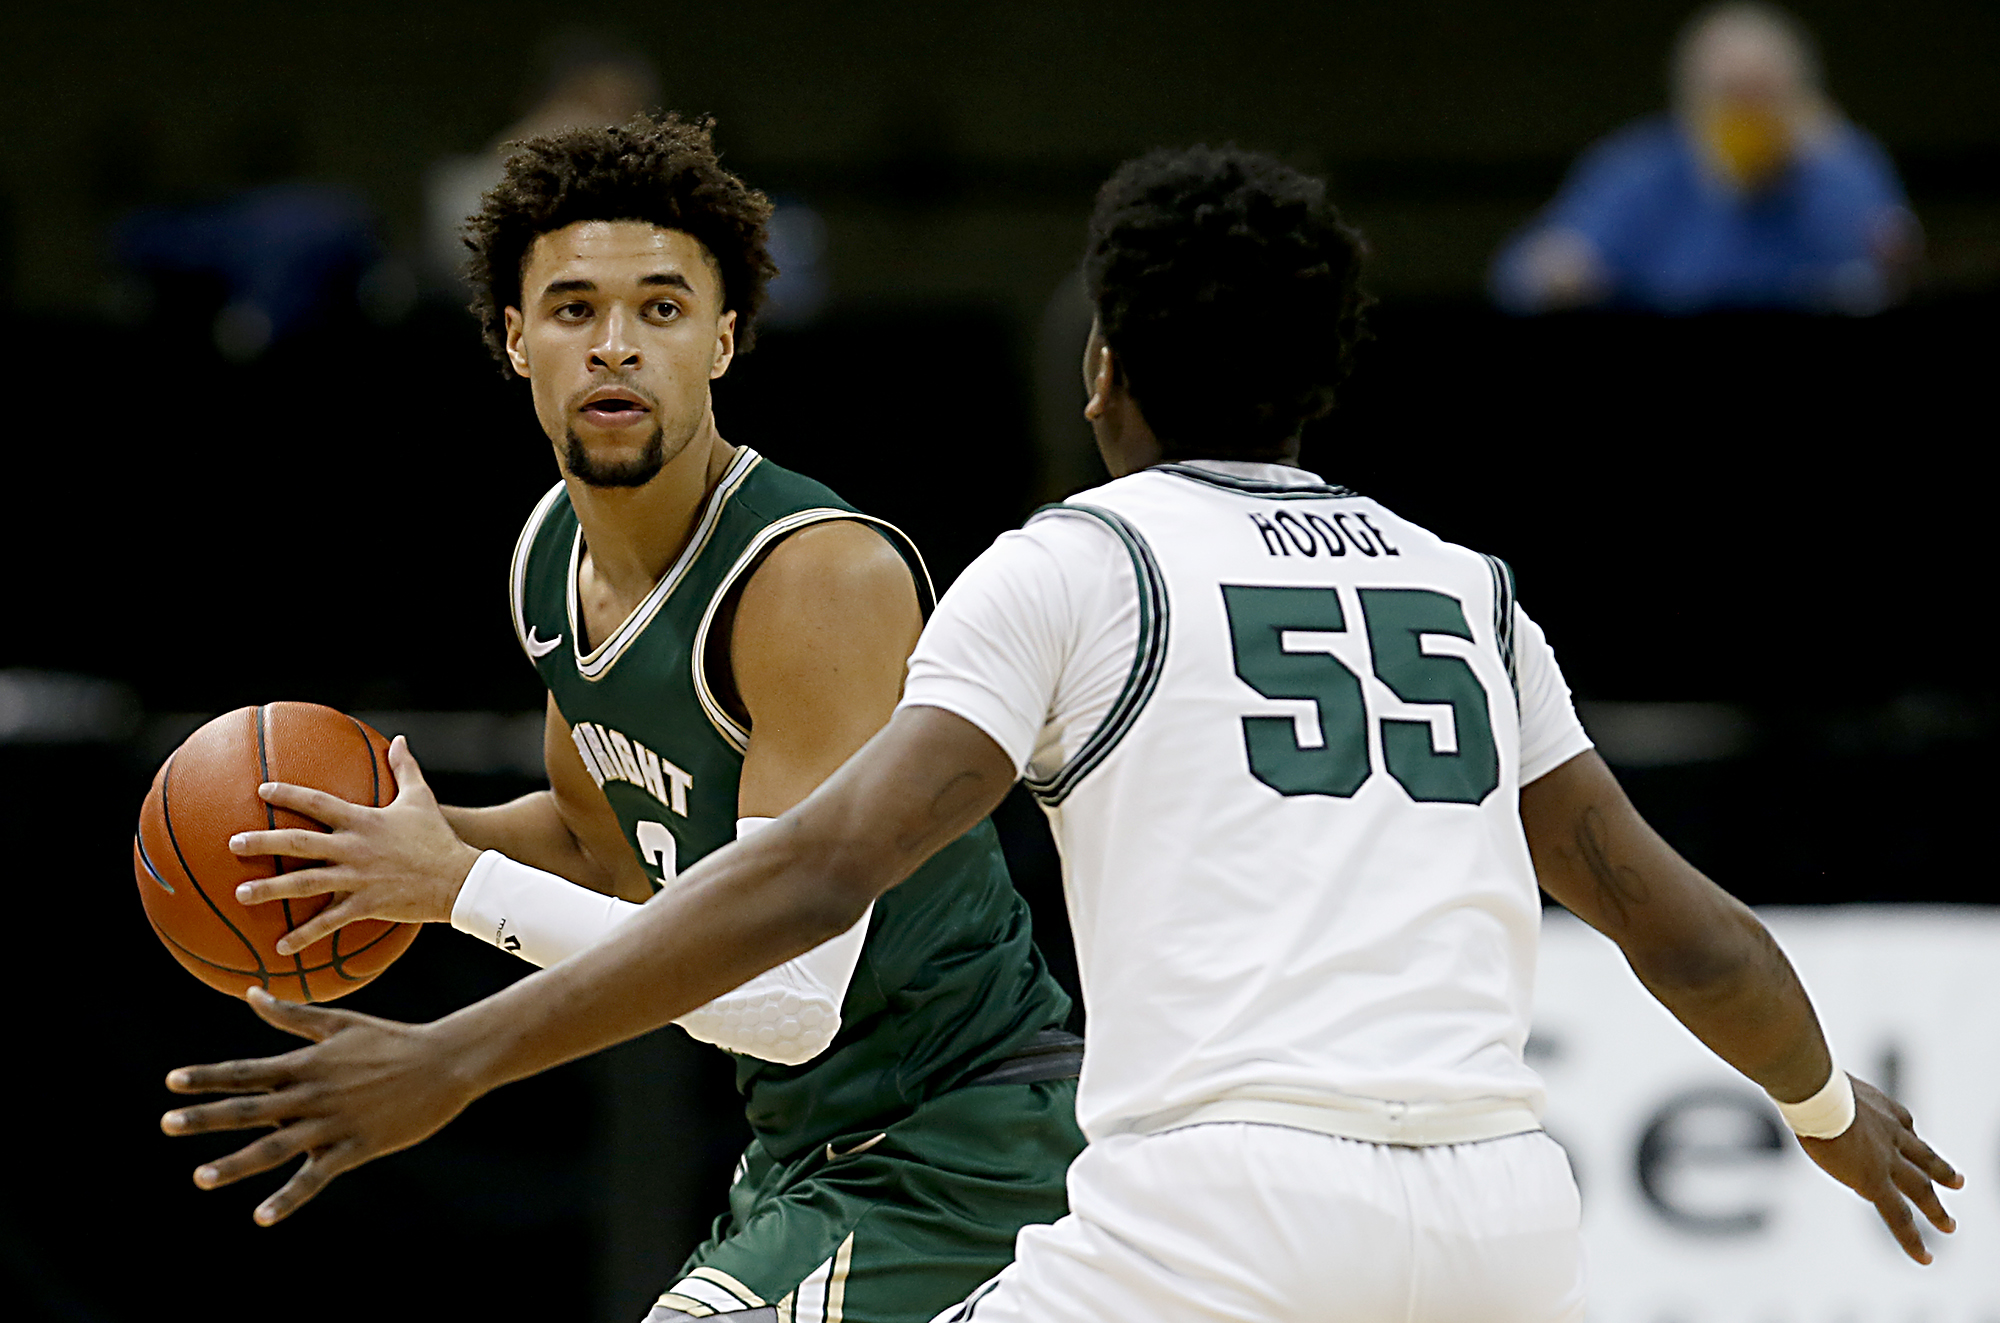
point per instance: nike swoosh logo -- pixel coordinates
(863, 1147)
(538, 647)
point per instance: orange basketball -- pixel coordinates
(206, 793)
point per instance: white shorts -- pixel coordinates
(1263, 1224)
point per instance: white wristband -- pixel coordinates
(1825, 1115)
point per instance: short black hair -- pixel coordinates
(1228, 287)
(662, 170)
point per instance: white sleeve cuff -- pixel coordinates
(535, 915)
(790, 1014)
(996, 649)
(1551, 735)
(976, 704)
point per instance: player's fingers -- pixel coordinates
(262, 1155)
(307, 1181)
(291, 842)
(253, 1075)
(1902, 1224)
(410, 783)
(1912, 1181)
(295, 884)
(315, 1022)
(1930, 1162)
(324, 924)
(315, 804)
(241, 1113)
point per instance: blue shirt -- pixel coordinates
(1671, 238)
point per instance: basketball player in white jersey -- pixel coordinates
(1306, 763)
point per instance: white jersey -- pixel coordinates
(1280, 735)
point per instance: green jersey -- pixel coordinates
(949, 981)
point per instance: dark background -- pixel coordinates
(1767, 526)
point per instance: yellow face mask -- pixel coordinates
(1750, 143)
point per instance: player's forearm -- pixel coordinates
(530, 830)
(1739, 995)
(920, 784)
(1697, 949)
(743, 910)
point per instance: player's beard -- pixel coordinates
(635, 472)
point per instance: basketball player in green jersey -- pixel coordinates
(717, 635)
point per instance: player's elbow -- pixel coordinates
(767, 1020)
(846, 876)
(843, 902)
(801, 1047)
(813, 884)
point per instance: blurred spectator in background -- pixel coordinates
(275, 256)
(1753, 193)
(588, 79)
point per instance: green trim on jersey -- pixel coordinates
(1503, 618)
(1275, 491)
(1149, 658)
(949, 980)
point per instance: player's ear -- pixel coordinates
(725, 344)
(1101, 374)
(517, 345)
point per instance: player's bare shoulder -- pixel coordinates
(840, 577)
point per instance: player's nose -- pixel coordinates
(617, 350)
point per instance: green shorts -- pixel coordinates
(889, 1227)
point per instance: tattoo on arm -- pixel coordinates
(1619, 886)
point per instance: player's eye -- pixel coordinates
(572, 312)
(665, 309)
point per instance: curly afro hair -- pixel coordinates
(1229, 288)
(660, 170)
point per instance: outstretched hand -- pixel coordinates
(401, 862)
(366, 1087)
(1881, 1159)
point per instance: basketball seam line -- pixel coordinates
(139, 844)
(373, 942)
(271, 822)
(173, 839)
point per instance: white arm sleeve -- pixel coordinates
(538, 916)
(1551, 735)
(787, 1015)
